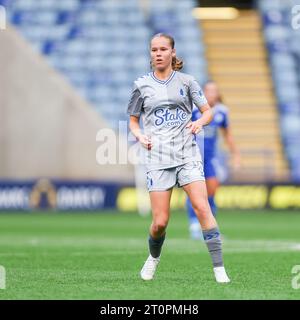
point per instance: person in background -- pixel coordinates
(209, 147)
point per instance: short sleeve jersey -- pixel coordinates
(166, 108)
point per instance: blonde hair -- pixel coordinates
(177, 64)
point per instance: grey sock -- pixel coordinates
(214, 244)
(155, 245)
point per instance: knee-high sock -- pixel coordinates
(213, 207)
(214, 244)
(155, 245)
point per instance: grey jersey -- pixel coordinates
(166, 108)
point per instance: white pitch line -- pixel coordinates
(174, 245)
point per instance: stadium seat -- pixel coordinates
(283, 44)
(103, 45)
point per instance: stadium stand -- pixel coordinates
(283, 43)
(91, 44)
(237, 61)
(102, 46)
(47, 129)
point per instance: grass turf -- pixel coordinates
(99, 256)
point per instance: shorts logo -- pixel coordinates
(169, 117)
(149, 181)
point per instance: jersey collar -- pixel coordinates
(163, 81)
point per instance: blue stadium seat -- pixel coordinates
(283, 44)
(101, 46)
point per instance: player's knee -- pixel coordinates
(160, 226)
(201, 209)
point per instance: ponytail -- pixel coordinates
(177, 64)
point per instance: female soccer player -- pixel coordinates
(164, 98)
(209, 147)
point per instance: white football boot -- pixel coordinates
(221, 275)
(149, 268)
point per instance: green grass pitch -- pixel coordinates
(99, 256)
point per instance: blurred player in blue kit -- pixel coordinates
(209, 149)
(164, 100)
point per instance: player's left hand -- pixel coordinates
(195, 126)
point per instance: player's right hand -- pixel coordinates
(195, 126)
(145, 141)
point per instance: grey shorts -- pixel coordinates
(165, 179)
